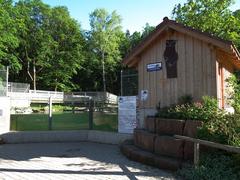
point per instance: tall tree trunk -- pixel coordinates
(34, 75)
(103, 73)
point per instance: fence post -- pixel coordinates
(90, 120)
(50, 113)
(73, 107)
(196, 154)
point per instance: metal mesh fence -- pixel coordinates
(18, 87)
(129, 82)
(3, 82)
(75, 113)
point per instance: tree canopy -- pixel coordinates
(213, 16)
(46, 47)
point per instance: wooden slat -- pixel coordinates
(210, 144)
(189, 75)
(140, 80)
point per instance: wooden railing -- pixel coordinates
(197, 142)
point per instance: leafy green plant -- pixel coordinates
(234, 91)
(213, 166)
(194, 111)
(187, 99)
(218, 125)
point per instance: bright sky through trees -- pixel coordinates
(135, 13)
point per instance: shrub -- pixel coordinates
(187, 99)
(218, 126)
(223, 128)
(234, 91)
(192, 111)
(213, 167)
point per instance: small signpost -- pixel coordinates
(126, 114)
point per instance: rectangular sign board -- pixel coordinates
(127, 114)
(154, 67)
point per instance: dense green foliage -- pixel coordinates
(213, 166)
(213, 16)
(218, 126)
(234, 91)
(47, 48)
(8, 35)
(203, 111)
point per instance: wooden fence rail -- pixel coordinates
(197, 142)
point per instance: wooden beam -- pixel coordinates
(200, 36)
(210, 144)
(196, 154)
(144, 44)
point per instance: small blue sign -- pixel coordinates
(154, 67)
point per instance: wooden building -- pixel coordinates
(176, 60)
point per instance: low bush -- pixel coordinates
(204, 110)
(213, 167)
(218, 125)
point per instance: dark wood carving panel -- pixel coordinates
(171, 57)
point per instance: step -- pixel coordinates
(169, 146)
(145, 157)
(169, 126)
(143, 139)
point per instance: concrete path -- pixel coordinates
(83, 160)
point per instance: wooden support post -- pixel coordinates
(73, 107)
(50, 113)
(196, 154)
(90, 114)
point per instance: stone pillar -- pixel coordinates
(4, 114)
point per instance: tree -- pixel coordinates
(66, 50)
(8, 37)
(33, 48)
(104, 39)
(213, 16)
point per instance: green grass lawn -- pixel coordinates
(63, 121)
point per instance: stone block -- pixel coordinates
(169, 126)
(127, 149)
(150, 124)
(190, 130)
(144, 139)
(169, 146)
(167, 163)
(142, 157)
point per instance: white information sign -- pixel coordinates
(127, 114)
(144, 95)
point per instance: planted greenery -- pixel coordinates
(213, 166)
(204, 110)
(219, 126)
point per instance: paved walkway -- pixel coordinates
(71, 161)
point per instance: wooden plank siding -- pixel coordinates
(196, 71)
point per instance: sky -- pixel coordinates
(134, 13)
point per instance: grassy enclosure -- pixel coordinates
(64, 121)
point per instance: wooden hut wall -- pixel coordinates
(196, 68)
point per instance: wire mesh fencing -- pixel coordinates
(74, 113)
(3, 82)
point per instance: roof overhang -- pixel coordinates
(228, 47)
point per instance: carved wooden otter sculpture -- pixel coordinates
(170, 55)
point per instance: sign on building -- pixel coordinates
(154, 67)
(126, 114)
